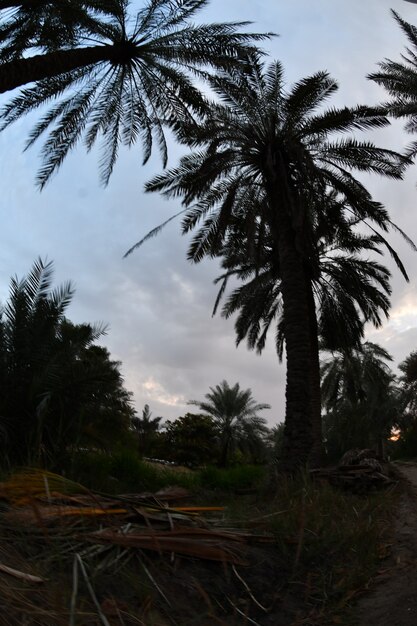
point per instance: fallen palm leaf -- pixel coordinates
(21, 575)
(53, 513)
(203, 545)
(198, 509)
(32, 483)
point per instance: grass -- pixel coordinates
(233, 478)
(327, 546)
(124, 472)
(330, 543)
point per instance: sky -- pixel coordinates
(156, 304)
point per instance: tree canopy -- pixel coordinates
(59, 389)
(235, 416)
(126, 81)
(268, 157)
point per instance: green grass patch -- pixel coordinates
(123, 472)
(233, 478)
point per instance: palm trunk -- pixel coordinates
(298, 421)
(316, 455)
(41, 66)
(298, 432)
(224, 454)
(33, 4)
(26, 4)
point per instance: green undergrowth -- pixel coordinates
(124, 471)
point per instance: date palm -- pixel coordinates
(145, 428)
(28, 326)
(235, 415)
(399, 78)
(58, 388)
(47, 24)
(346, 292)
(133, 81)
(360, 396)
(268, 156)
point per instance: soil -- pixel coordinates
(393, 602)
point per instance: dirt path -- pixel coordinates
(394, 601)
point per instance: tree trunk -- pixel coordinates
(298, 436)
(22, 71)
(286, 223)
(316, 456)
(29, 4)
(26, 4)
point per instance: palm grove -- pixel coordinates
(271, 184)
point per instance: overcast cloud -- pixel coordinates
(158, 306)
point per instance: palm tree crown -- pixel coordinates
(58, 388)
(27, 25)
(134, 77)
(355, 375)
(361, 397)
(267, 157)
(235, 414)
(399, 78)
(348, 290)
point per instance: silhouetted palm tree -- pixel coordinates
(265, 156)
(399, 78)
(347, 292)
(235, 415)
(48, 25)
(145, 428)
(59, 390)
(360, 395)
(134, 80)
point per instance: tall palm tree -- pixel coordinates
(267, 156)
(399, 78)
(235, 415)
(58, 388)
(82, 399)
(29, 323)
(347, 291)
(134, 79)
(408, 380)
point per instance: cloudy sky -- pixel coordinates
(158, 306)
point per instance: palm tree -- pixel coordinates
(347, 291)
(399, 78)
(83, 401)
(145, 427)
(135, 80)
(28, 322)
(58, 388)
(266, 157)
(235, 415)
(359, 391)
(48, 25)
